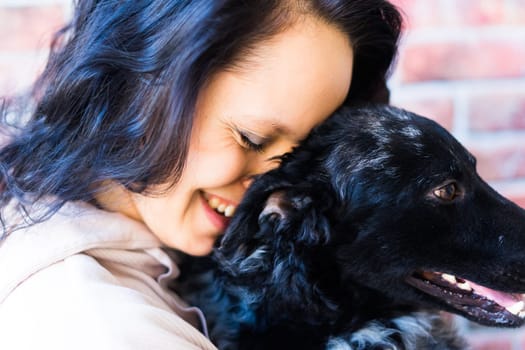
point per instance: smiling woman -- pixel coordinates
(151, 119)
(245, 118)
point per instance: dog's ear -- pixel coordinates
(298, 215)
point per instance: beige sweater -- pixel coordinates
(90, 279)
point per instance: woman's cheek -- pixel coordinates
(222, 168)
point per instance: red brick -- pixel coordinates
(502, 162)
(518, 198)
(418, 13)
(462, 60)
(440, 110)
(477, 12)
(435, 13)
(29, 28)
(497, 111)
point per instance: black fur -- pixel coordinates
(336, 248)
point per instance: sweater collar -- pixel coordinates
(75, 228)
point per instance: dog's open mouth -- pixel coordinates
(481, 304)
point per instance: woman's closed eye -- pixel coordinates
(253, 142)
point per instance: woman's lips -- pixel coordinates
(213, 205)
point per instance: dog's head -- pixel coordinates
(380, 202)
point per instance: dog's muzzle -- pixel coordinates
(481, 304)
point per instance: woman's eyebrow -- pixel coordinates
(276, 124)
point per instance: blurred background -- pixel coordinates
(461, 62)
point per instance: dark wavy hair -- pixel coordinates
(117, 96)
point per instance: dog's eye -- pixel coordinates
(447, 192)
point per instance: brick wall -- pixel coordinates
(462, 62)
(26, 27)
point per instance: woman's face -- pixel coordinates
(244, 118)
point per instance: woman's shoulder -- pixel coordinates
(76, 228)
(86, 276)
(80, 303)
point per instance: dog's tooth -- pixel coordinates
(465, 286)
(214, 202)
(230, 209)
(221, 207)
(516, 308)
(449, 278)
(521, 314)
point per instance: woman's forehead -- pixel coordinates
(299, 77)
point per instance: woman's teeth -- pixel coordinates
(220, 207)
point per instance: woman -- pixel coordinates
(151, 118)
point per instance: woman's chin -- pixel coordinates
(196, 247)
(200, 251)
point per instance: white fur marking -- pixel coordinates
(411, 132)
(411, 328)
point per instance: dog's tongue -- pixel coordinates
(504, 299)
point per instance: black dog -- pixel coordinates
(377, 217)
